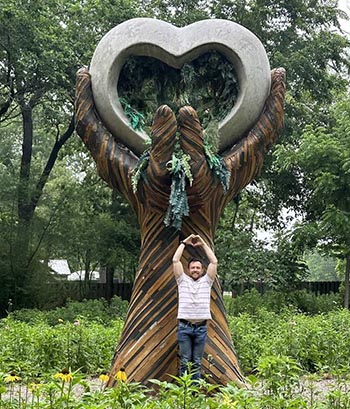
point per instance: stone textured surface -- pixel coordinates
(175, 46)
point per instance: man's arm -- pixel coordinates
(213, 262)
(177, 265)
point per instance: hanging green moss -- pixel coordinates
(180, 169)
(215, 162)
(136, 119)
(139, 172)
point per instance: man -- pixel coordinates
(194, 303)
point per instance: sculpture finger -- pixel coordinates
(245, 159)
(114, 161)
(156, 189)
(163, 138)
(191, 142)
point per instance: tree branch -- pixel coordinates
(50, 164)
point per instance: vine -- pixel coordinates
(215, 162)
(180, 169)
(136, 119)
(139, 172)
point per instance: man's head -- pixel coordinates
(195, 269)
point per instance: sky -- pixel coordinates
(345, 6)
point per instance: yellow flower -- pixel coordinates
(227, 400)
(12, 377)
(64, 375)
(60, 320)
(104, 378)
(121, 375)
(35, 386)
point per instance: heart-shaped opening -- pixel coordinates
(208, 83)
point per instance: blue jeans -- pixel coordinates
(191, 340)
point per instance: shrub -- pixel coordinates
(317, 343)
(315, 304)
(92, 310)
(301, 300)
(38, 348)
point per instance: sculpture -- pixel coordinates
(148, 347)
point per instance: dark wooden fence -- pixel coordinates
(123, 290)
(79, 290)
(320, 287)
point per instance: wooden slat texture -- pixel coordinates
(148, 346)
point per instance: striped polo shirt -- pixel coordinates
(194, 297)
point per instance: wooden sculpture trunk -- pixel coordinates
(148, 345)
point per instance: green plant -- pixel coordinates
(280, 374)
(185, 392)
(97, 310)
(37, 348)
(179, 168)
(215, 162)
(300, 300)
(139, 172)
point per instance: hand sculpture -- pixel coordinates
(148, 346)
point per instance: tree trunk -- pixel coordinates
(346, 283)
(21, 247)
(236, 201)
(109, 282)
(28, 200)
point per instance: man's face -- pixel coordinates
(195, 270)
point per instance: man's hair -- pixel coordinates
(193, 260)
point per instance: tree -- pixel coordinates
(96, 229)
(42, 45)
(323, 165)
(247, 259)
(29, 79)
(322, 267)
(304, 38)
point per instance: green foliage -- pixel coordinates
(38, 348)
(322, 268)
(278, 347)
(281, 375)
(98, 311)
(184, 392)
(179, 168)
(208, 83)
(44, 44)
(94, 227)
(251, 301)
(136, 119)
(321, 162)
(311, 303)
(215, 162)
(316, 343)
(281, 388)
(139, 172)
(246, 258)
